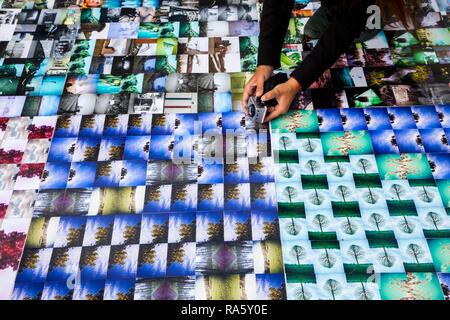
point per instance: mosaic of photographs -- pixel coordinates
(363, 202)
(99, 98)
(122, 208)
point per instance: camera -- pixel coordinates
(257, 109)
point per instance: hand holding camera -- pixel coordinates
(267, 97)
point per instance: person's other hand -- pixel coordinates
(285, 94)
(255, 86)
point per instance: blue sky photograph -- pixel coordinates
(379, 119)
(240, 199)
(135, 148)
(237, 172)
(259, 218)
(159, 147)
(188, 201)
(381, 141)
(231, 219)
(108, 177)
(127, 268)
(106, 146)
(262, 171)
(163, 124)
(216, 202)
(402, 118)
(162, 202)
(71, 130)
(187, 266)
(203, 220)
(210, 122)
(121, 222)
(143, 129)
(442, 163)
(176, 220)
(53, 290)
(426, 117)
(266, 281)
(157, 269)
(61, 273)
(407, 141)
(134, 171)
(94, 130)
(149, 223)
(432, 140)
(119, 129)
(99, 270)
(84, 175)
(60, 149)
(185, 124)
(265, 197)
(56, 176)
(84, 144)
(331, 120)
(66, 224)
(211, 173)
(91, 287)
(232, 121)
(113, 287)
(93, 225)
(39, 271)
(354, 119)
(27, 290)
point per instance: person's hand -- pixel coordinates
(255, 86)
(285, 94)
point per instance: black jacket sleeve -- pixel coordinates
(346, 26)
(273, 27)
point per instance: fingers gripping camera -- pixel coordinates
(257, 109)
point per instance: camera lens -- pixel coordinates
(251, 110)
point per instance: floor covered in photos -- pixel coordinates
(347, 198)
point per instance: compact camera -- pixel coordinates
(257, 109)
